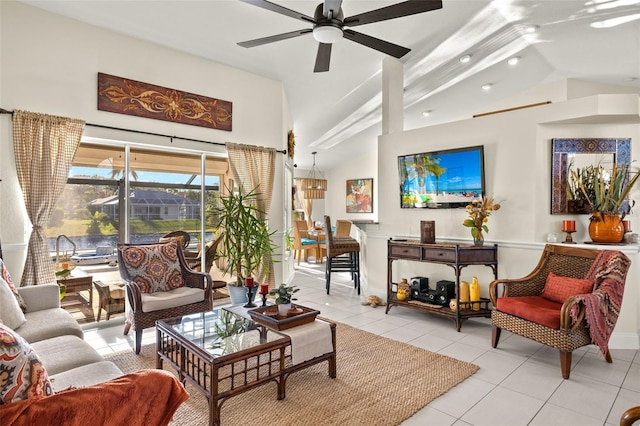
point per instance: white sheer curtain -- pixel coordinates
(44, 147)
(253, 166)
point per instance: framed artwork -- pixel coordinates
(359, 197)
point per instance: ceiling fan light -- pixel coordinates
(327, 34)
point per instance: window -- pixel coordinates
(164, 195)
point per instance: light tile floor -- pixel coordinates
(519, 383)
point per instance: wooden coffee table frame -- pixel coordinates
(247, 369)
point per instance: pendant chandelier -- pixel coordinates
(314, 185)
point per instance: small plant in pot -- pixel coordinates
(288, 242)
(246, 246)
(284, 296)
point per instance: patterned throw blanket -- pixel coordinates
(602, 307)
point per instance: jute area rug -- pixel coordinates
(380, 381)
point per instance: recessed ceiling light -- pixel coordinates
(514, 60)
(486, 87)
(426, 113)
(464, 59)
(530, 29)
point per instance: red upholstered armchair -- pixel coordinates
(160, 285)
(630, 416)
(571, 299)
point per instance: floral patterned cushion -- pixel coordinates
(154, 267)
(22, 375)
(5, 276)
(559, 289)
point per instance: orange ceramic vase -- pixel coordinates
(606, 227)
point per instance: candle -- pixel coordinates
(568, 225)
(264, 288)
(627, 225)
(248, 282)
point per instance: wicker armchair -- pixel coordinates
(630, 416)
(194, 260)
(182, 237)
(160, 285)
(564, 261)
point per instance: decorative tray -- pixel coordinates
(269, 317)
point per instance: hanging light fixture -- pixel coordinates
(314, 185)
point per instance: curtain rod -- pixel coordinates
(4, 111)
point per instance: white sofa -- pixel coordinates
(58, 340)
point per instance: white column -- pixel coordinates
(392, 95)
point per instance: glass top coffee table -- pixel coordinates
(222, 354)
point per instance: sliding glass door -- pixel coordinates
(132, 194)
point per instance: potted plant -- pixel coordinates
(288, 242)
(229, 329)
(284, 296)
(577, 201)
(246, 242)
(606, 192)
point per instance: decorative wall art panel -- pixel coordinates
(130, 97)
(359, 196)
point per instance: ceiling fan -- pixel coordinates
(329, 26)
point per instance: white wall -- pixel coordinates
(518, 168)
(50, 63)
(363, 167)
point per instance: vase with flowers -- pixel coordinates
(606, 191)
(479, 212)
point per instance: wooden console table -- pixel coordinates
(456, 256)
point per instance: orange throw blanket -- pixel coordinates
(144, 398)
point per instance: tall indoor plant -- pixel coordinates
(247, 240)
(606, 192)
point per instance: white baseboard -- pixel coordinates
(624, 341)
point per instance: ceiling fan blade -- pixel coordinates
(331, 5)
(280, 9)
(398, 10)
(377, 44)
(323, 58)
(271, 39)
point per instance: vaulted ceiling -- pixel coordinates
(337, 113)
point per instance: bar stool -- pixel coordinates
(343, 254)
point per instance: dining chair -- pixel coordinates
(301, 242)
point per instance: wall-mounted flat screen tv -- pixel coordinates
(441, 179)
